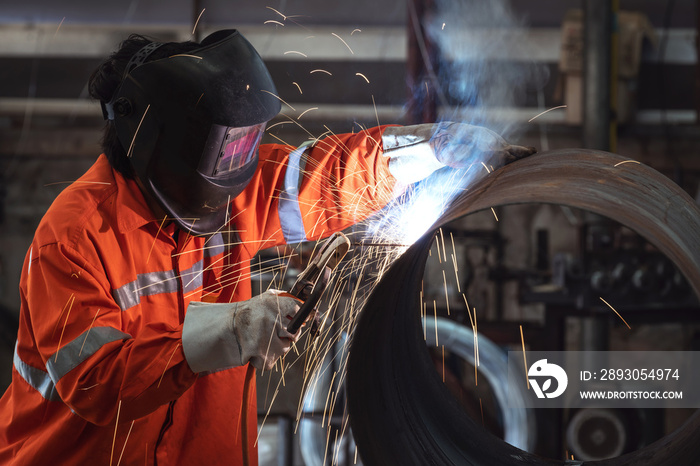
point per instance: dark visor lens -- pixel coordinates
(238, 148)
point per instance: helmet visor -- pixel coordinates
(236, 149)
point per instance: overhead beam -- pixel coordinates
(275, 42)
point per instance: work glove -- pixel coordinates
(417, 151)
(219, 336)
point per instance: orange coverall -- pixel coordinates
(99, 373)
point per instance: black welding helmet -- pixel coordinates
(191, 124)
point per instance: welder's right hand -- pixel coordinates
(218, 336)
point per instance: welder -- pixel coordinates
(138, 337)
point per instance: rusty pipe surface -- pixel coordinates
(402, 413)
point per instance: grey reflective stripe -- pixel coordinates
(36, 378)
(192, 277)
(214, 245)
(78, 350)
(146, 284)
(289, 210)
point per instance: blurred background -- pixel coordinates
(620, 76)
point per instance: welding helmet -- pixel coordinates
(191, 125)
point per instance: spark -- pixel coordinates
(363, 244)
(272, 334)
(422, 308)
(166, 365)
(197, 22)
(627, 161)
(116, 425)
(283, 16)
(64, 327)
(442, 238)
(454, 263)
(546, 111)
(131, 146)
(185, 55)
(90, 387)
(195, 106)
(522, 340)
(481, 407)
(320, 71)
(476, 338)
(494, 213)
(125, 440)
(65, 306)
(88, 332)
(447, 299)
(278, 97)
(436, 322)
(273, 22)
(362, 76)
(296, 52)
(59, 26)
(298, 87)
(328, 397)
(341, 39)
(376, 114)
(342, 434)
(443, 26)
(618, 314)
(486, 167)
(155, 238)
(325, 452)
(355, 30)
(305, 111)
(268, 413)
(279, 123)
(443, 363)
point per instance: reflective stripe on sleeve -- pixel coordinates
(146, 284)
(289, 210)
(36, 378)
(214, 245)
(192, 277)
(152, 283)
(78, 350)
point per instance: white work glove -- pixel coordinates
(417, 151)
(220, 336)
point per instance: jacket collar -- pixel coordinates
(131, 209)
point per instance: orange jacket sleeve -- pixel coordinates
(312, 191)
(97, 368)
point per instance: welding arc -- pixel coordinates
(402, 413)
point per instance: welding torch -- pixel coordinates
(312, 282)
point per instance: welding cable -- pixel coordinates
(245, 402)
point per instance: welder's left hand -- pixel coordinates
(417, 151)
(458, 145)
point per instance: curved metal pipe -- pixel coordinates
(402, 413)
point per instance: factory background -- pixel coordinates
(341, 66)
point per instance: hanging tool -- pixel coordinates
(312, 282)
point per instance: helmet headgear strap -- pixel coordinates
(136, 60)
